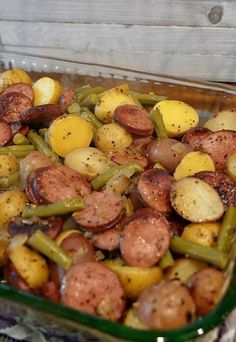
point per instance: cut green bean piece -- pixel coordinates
(12, 179)
(88, 115)
(86, 91)
(148, 99)
(196, 251)
(158, 123)
(41, 146)
(19, 151)
(90, 101)
(42, 243)
(228, 231)
(74, 108)
(167, 260)
(101, 180)
(20, 139)
(43, 132)
(58, 208)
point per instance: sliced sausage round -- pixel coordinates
(30, 189)
(154, 189)
(79, 248)
(142, 141)
(22, 88)
(219, 145)
(206, 288)
(66, 99)
(134, 119)
(194, 136)
(222, 183)
(17, 127)
(43, 113)
(130, 155)
(102, 211)
(53, 183)
(108, 240)
(167, 305)
(5, 133)
(11, 105)
(145, 240)
(93, 288)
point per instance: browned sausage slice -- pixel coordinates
(66, 99)
(129, 155)
(43, 113)
(102, 211)
(194, 136)
(54, 183)
(142, 141)
(11, 105)
(145, 240)
(167, 305)
(29, 189)
(154, 189)
(205, 287)
(108, 240)
(222, 183)
(5, 133)
(134, 119)
(219, 145)
(17, 127)
(22, 88)
(79, 248)
(93, 288)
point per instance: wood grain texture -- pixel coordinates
(146, 12)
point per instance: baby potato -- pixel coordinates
(135, 279)
(8, 165)
(230, 166)
(178, 117)
(112, 137)
(223, 120)
(110, 100)
(30, 265)
(12, 203)
(204, 234)
(13, 76)
(69, 132)
(88, 161)
(46, 91)
(192, 163)
(183, 268)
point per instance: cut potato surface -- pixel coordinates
(69, 132)
(8, 165)
(192, 163)
(131, 320)
(183, 268)
(230, 166)
(178, 116)
(204, 234)
(195, 200)
(223, 120)
(12, 203)
(46, 91)
(13, 76)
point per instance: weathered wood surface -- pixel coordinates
(184, 38)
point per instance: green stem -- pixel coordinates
(148, 99)
(228, 231)
(159, 123)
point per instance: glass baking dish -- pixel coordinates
(69, 324)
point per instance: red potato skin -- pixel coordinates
(79, 248)
(134, 119)
(66, 99)
(93, 288)
(144, 240)
(219, 145)
(22, 88)
(5, 133)
(154, 190)
(205, 287)
(167, 305)
(168, 152)
(11, 105)
(102, 211)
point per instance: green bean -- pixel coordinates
(42, 243)
(102, 179)
(7, 181)
(20, 139)
(70, 224)
(228, 231)
(19, 151)
(88, 115)
(43, 132)
(58, 208)
(41, 145)
(74, 108)
(90, 101)
(148, 99)
(158, 123)
(196, 251)
(86, 91)
(167, 260)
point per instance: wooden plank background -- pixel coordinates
(188, 38)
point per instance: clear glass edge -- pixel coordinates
(190, 331)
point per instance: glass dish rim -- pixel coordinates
(190, 331)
